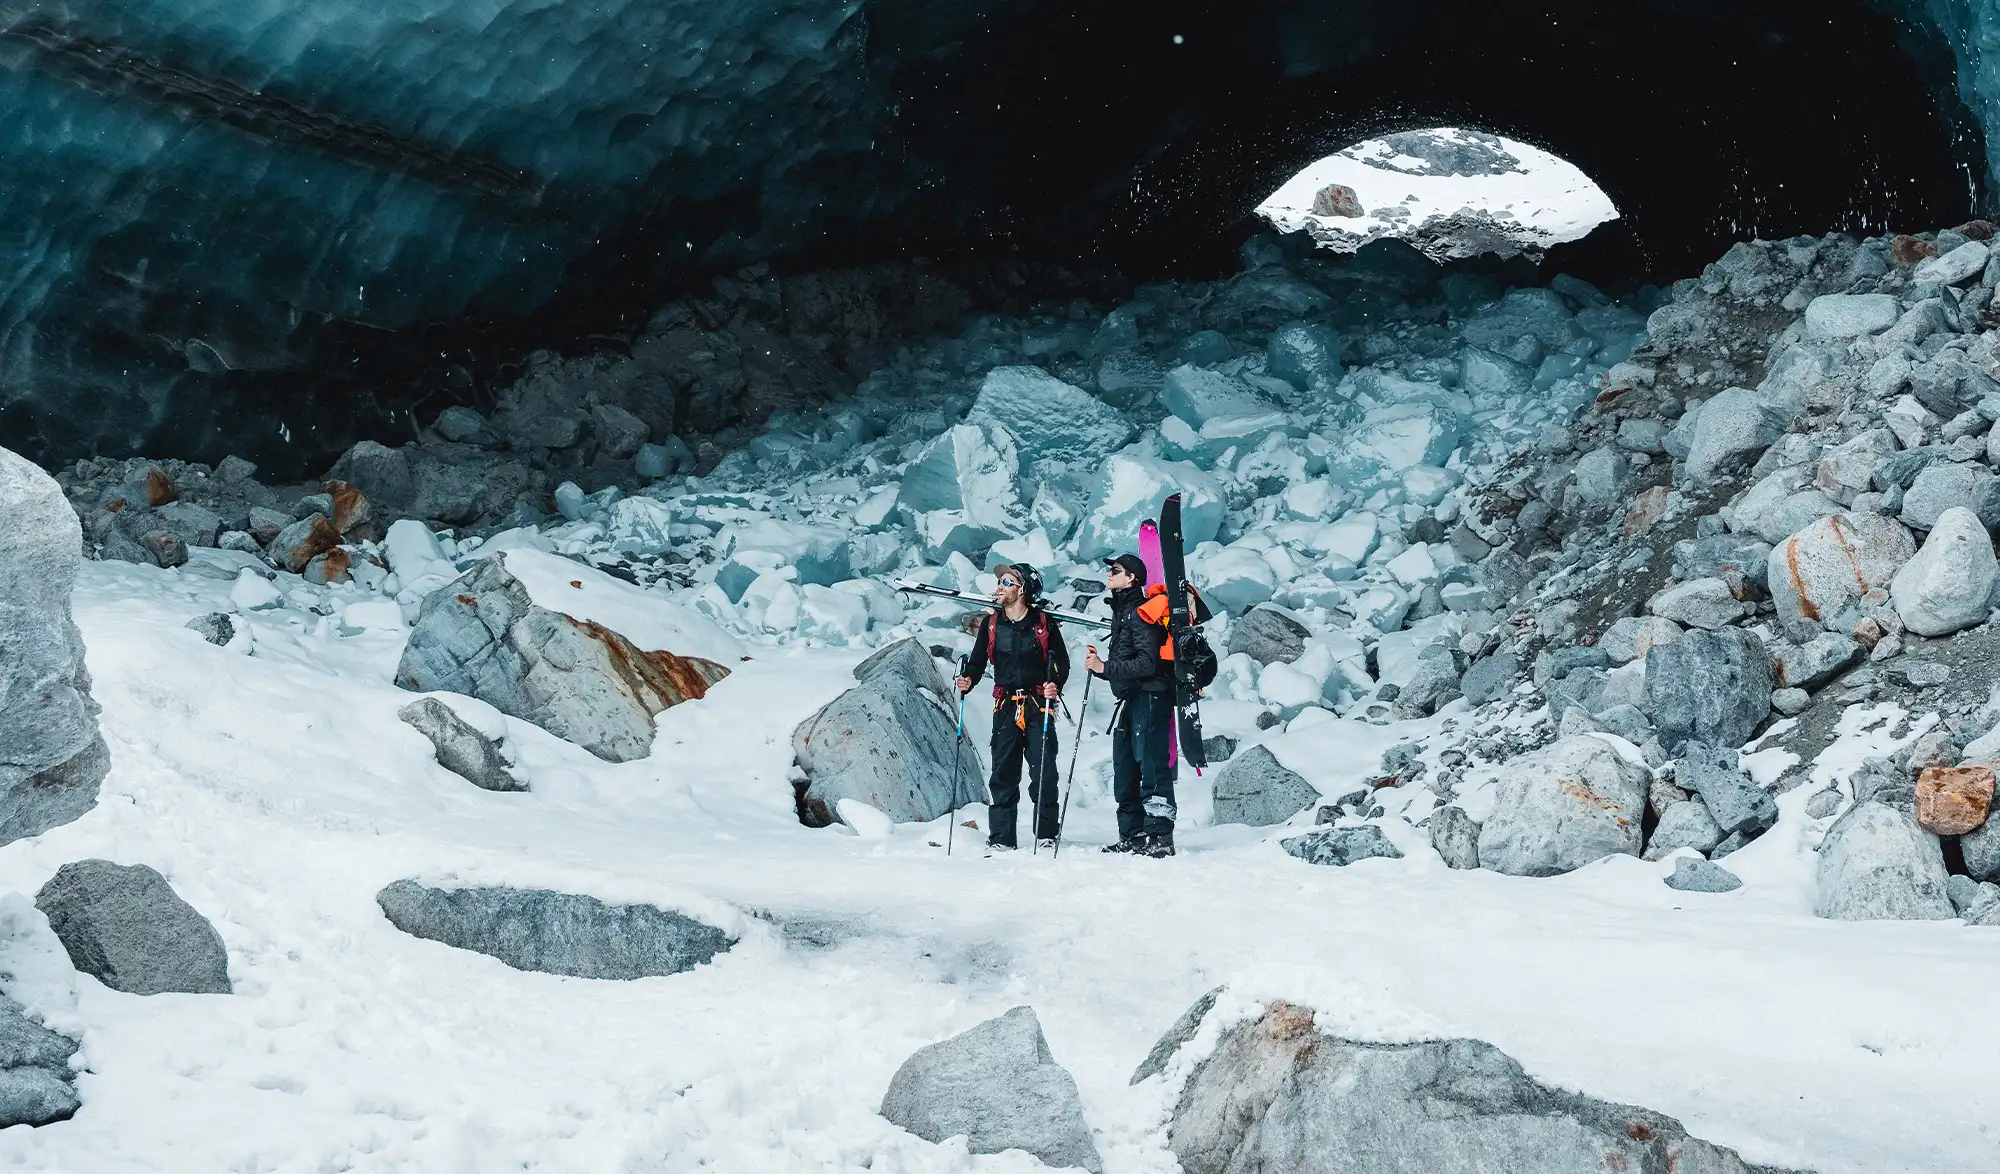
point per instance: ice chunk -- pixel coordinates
(1397, 436)
(972, 470)
(1351, 538)
(641, 526)
(1305, 355)
(836, 617)
(819, 552)
(1483, 373)
(1198, 395)
(1536, 314)
(253, 592)
(1312, 501)
(1218, 436)
(1427, 484)
(1234, 579)
(1032, 548)
(1130, 490)
(873, 514)
(1049, 419)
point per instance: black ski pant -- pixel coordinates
(1011, 744)
(1141, 778)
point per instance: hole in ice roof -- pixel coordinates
(1449, 191)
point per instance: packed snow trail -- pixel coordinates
(279, 792)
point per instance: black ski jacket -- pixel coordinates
(1132, 661)
(1017, 659)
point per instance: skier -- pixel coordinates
(1024, 644)
(1140, 671)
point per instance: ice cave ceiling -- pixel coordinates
(270, 207)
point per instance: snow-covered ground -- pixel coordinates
(1546, 199)
(279, 792)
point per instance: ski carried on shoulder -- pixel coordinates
(1185, 613)
(971, 600)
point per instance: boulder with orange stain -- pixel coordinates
(484, 636)
(1953, 800)
(1820, 573)
(1562, 807)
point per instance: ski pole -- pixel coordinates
(1048, 720)
(957, 741)
(1069, 784)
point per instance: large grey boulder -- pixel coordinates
(1699, 603)
(1940, 488)
(1981, 849)
(554, 933)
(890, 742)
(1713, 687)
(1341, 847)
(1945, 585)
(1837, 317)
(484, 636)
(460, 749)
(51, 756)
(1266, 636)
(1877, 864)
(126, 927)
(1255, 788)
(1702, 876)
(1802, 666)
(1731, 429)
(1562, 807)
(998, 1085)
(1819, 574)
(37, 1086)
(1737, 804)
(1277, 1094)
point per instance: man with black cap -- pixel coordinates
(1141, 674)
(1024, 644)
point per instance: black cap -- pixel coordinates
(1129, 562)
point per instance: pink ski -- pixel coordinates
(1156, 575)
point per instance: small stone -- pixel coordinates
(1702, 876)
(160, 488)
(1732, 429)
(1790, 702)
(1823, 803)
(164, 549)
(462, 425)
(1953, 800)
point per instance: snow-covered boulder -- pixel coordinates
(1234, 579)
(1276, 1093)
(1254, 788)
(554, 933)
(1340, 847)
(998, 1086)
(1946, 584)
(1049, 419)
(37, 1084)
(587, 657)
(1397, 436)
(51, 757)
(1819, 574)
(1129, 491)
(126, 927)
(1562, 807)
(461, 748)
(890, 742)
(1877, 864)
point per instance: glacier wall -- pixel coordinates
(272, 226)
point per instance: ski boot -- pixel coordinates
(993, 849)
(1045, 844)
(1157, 847)
(1129, 845)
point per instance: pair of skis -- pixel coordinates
(1165, 556)
(967, 597)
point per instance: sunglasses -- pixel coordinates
(1010, 582)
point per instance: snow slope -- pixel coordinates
(278, 792)
(1549, 198)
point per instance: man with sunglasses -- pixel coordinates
(1141, 674)
(1024, 645)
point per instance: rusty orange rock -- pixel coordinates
(1953, 800)
(1644, 511)
(160, 488)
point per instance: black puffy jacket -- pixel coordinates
(1132, 661)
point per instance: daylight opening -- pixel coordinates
(1450, 192)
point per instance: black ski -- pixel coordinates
(1067, 617)
(1187, 697)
